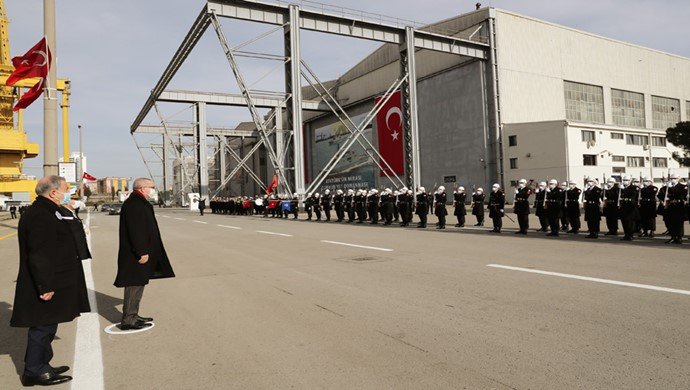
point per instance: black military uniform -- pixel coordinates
(459, 199)
(317, 207)
(360, 203)
(572, 209)
(563, 214)
(478, 208)
(554, 208)
(326, 205)
(497, 202)
(388, 204)
(440, 200)
(373, 201)
(648, 210)
(675, 208)
(422, 208)
(338, 205)
(540, 211)
(521, 208)
(403, 208)
(661, 209)
(309, 206)
(349, 207)
(593, 210)
(611, 210)
(628, 210)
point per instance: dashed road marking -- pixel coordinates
(230, 227)
(274, 234)
(180, 219)
(205, 223)
(358, 246)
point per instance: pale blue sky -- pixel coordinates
(115, 51)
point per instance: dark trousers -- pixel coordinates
(628, 225)
(461, 220)
(523, 221)
(649, 224)
(574, 222)
(422, 219)
(201, 211)
(498, 222)
(13, 214)
(441, 219)
(593, 226)
(612, 223)
(480, 218)
(553, 224)
(327, 211)
(130, 308)
(39, 352)
(543, 222)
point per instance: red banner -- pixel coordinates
(389, 125)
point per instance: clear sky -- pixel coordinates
(115, 51)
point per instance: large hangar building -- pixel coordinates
(557, 103)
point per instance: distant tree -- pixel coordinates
(680, 136)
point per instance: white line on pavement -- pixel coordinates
(165, 216)
(88, 356)
(590, 279)
(180, 219)
(230, 227)
(358, 246)
(274, 234)
(201, 222)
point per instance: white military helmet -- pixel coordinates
(461, 189)
(422, 189)
(441, 188)
(496, 186)
(522, 181)
(553, 181)
(542, 184)
(480, 190)
(339, 192)
(327, 191)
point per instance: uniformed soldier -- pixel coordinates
(611, 207)
(592, 204)
(388, 204)
(396, 212)
(628, 208)
(339, 205)
(440, 199)
(648, 206)
(422, 207)
(478, 206)
(563, 215)
(459, 199)
(539, 206)
(403, 206)
(677, 196)
(309, 206)
(348, 205)
(326, 200)
(554, 206)
(360, 203)
(497, 202)
(410, 206)
(294, 205)
(572, 206)
(373, 202)
(521, 206)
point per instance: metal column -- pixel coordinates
(167, 183)
(201, 153)
(293, 79)
(409, 109)
(221, 150)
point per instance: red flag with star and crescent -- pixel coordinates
(389, 125)
(34, 63)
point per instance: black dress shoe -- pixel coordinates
(60, 369)
(136, 326)
(144, 319)
(47, 379)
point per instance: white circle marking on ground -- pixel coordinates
(113, 329)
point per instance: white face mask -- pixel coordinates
(590, 184)
(521, 185)
(674, 181)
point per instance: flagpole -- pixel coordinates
(50, 136)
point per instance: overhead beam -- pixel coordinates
(229, 99)
(189, 131)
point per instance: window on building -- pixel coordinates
(627, 108)
(588, 135)
(658, 141)
(665, 112)
(617, 136)
(618, 169)
(618, 159)
(632, 139)
(589, 159)
(513, 163)
(512, 140)
(584, 103)
(635, 162)
(660, 162)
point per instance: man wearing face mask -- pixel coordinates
(539, 206)
(593, 208)
(459, 199)
(648, 195)
(572, 206)
(497, 202)
(554, 206)
(675, 208)
(440, 199)
(628, 208)
(422, 209)
(611, 207)
(141, 254)
(50, 284)
(521, 206)
(478, 206)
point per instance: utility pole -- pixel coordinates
(50, 136)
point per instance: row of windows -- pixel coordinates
(632, 161)
(584, 102)
(630, 139)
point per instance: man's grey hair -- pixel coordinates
(49, 183)
(141, 182)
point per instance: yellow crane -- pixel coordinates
(14, 146)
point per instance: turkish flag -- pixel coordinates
(32, 94)
(88, 177)
(35, 63)
(274, 185)
(389, 125)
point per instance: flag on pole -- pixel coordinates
(88, 177)
(389, 125)
(34, 63)
(273, 186)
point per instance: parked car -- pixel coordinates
(114, 209)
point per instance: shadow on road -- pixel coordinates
(107, 307)
(12, 340)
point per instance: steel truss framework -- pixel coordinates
(285, 147)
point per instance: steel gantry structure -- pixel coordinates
(285, 147)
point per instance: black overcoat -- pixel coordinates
(139, 235)
(48, 261)
(460, 198)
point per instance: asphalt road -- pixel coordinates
(408, 309)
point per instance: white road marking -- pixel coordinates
(205, 223)
(113, 329)
(274, 234)
(358, 246)
(88, 356)
(180, 219)
(590, 279)
(230, 227)
(165, 216)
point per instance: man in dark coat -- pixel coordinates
(13, 212)
(478, 206)
(141, 255)
(628, 211)
(50, 285)
(521, 206)
(572, 206)
(611, 207)
(440, 199)
(675, 207)
(554, 206)
(459, 199)
(497, 202)
(648, 207)
(539, 207)
(592, 205)
(202, 206)
(422, 207)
